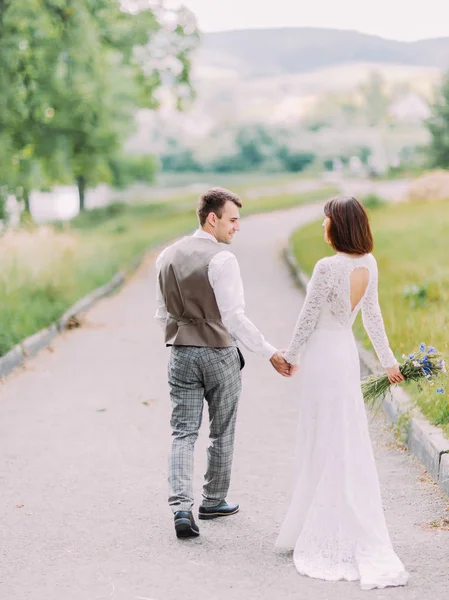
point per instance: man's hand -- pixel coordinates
(281, 365)
(293, 368)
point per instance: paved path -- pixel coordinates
(84, 440)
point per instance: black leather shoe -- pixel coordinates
(221, 510)
(185, 525)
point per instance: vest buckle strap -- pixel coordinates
(180, 321)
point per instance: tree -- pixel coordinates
(182, 161)
(72, 75)
(129, 169)
(130, 56)
(294, 161)
(254, 144)
(250, 149)
(364, 153)
(438, 125)
(28, 50)
(376, 99)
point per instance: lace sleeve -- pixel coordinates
(317, 294)
(373, 322)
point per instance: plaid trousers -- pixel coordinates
(194, 375)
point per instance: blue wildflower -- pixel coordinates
(432, 350)
(440, 391)
(411, 356)
(422, 347)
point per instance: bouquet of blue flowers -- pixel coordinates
(425, 365)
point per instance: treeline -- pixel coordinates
(257, 148)
(253, 148)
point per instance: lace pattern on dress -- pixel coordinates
(328, 293)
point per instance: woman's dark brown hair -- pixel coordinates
(349, 229)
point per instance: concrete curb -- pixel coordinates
(30, 346)
(11, 361)
(89, 300)
(424, 440)
(42, 339)
(443, 475)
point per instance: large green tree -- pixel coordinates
(438, 125)
(72, 75)
(28, 43)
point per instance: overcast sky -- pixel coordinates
(395, 19)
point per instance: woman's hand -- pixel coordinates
(394, 375)
(293, 368)
(280, 364)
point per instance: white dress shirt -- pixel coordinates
(226, 281)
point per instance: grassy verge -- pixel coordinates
(44, 271)
(412, 249)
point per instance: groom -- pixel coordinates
(201, 307)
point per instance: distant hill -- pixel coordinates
(267, 52)
(283, 77)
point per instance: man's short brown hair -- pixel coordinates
(213, 201)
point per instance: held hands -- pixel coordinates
(282, 366)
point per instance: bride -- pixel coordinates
(335, 522)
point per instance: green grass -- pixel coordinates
(43, 272)
(34, 296)
(270, 203)
(411, 247)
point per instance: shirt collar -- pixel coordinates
(200, 233)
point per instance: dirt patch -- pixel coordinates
(432, 186)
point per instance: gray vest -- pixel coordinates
(193, 315)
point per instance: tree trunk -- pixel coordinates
(25, 216)
(81, 183)
(26, 199)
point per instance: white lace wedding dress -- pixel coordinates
(335, 522)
